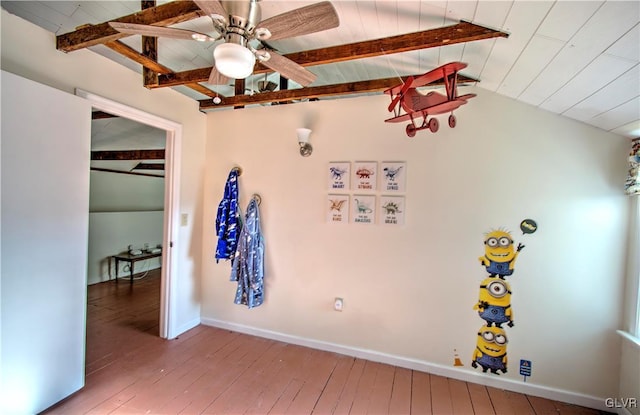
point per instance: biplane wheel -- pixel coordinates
(411, 130)
(452, 121)
(433, 125)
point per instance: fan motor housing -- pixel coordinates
(243, 16)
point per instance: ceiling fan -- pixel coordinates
(239, 23)
(263, 86)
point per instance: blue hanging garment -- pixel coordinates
(228, 221)
(248, 265)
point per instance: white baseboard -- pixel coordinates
(422, 366)
(185, 327)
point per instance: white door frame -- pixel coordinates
(171, 198)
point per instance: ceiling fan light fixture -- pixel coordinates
(233, 60)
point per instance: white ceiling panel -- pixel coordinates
(599, 73)
(627, 47)
(491, 14)
(603, 29)
(617, 117)
(117, 134)
(567, 17)
(628, 130)
(526, 17)
(576, 58)
(535, 57)
(623, 89)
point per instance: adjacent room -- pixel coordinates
(306, 207)
(126, 200)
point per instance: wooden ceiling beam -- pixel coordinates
(149, 50)
(100, 115)
(149, 166)
(125, 172)
(376, 85)
(157, 154)
(459, 33)
(152, 65)
(204, 90)
(163, 15)
(136, 56)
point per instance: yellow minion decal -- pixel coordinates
(491, 350)
(494, 302)
(499, 255)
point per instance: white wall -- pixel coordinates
(409, 291)
(114, 192)
(111, 233)
(93, 73)
(124, 210)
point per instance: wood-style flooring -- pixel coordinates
(130, 370)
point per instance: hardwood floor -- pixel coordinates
(130, 370)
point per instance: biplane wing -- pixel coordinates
(443, 108)
(429, 77)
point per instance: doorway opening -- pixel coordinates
(171, 198)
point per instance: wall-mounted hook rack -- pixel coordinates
(257, 198)
(238, 170)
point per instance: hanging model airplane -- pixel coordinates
(408, 103)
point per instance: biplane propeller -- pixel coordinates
(407, 103)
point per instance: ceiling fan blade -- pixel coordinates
(212, 7)
(267, 86)
(216, 78)
(159, 31)
(309, 19)
(289, 69)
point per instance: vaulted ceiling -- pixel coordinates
(579, 59)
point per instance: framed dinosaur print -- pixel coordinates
(337, 208)
(364, 175)
(391, 210)
(339, 175)
(363, 209)
(393, 176)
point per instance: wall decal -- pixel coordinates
(632, 184)
(393, 176)
(499, 256)
(338, 208)
(528, 226)
(363, 209)
(339, 175)
(494, 299)
(364, 175)
(456, 358)
(491, 350)
(494, 302)
(525, 368)
(391, 210)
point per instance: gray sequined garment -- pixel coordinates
(248, 265)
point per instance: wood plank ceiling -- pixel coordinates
(579, 59)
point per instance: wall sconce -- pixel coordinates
(303, 140)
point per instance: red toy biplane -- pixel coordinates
(417, 105)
